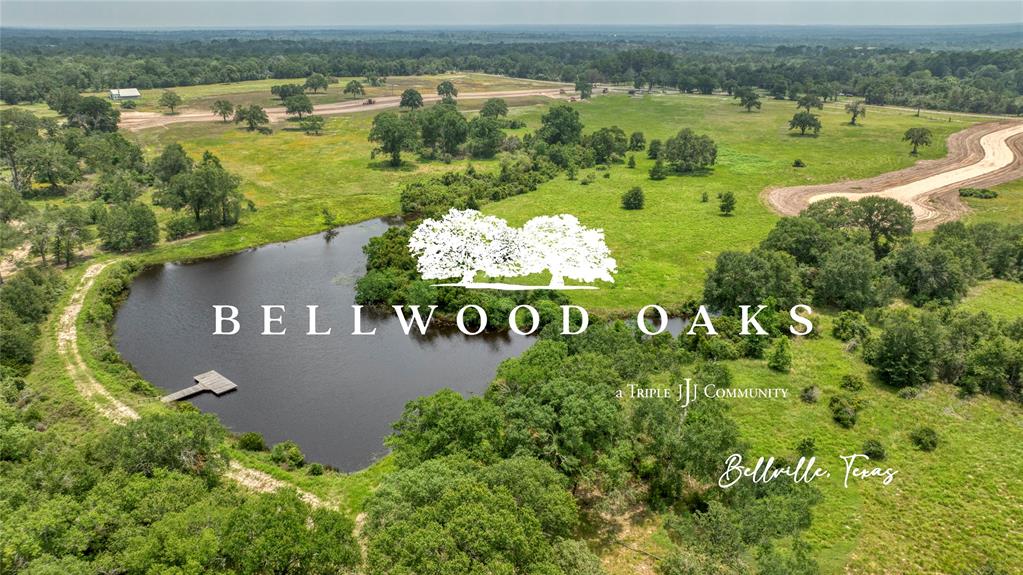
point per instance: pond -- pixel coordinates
(335, 395)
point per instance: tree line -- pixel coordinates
(987, 81)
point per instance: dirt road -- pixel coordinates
(143, 120)
(980, 156)
(119, 412)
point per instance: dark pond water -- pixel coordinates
(335, 395)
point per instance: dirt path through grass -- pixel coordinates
(117, 411)
(982, 155)
(143, 120)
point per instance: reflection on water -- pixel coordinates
(335, 395)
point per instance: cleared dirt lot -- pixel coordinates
(983, 155)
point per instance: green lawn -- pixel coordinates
(664, 250)
(1007, 208)
(945, 512)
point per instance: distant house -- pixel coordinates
(124, 94)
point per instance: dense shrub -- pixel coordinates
(851, 382)
(633, 199)
(251, 441)
(779, 358)
(287, 454)
(810, 394)
(924, 438)
(179, 227)
(980, 193)
(844, 409)
(873, 449)
(851, 325)
(806, 446)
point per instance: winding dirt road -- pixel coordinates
(135, 121)
(119, 412)
(980, 156)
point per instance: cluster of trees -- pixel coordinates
(857, 256)
(206, 190)
(441, 130)
(550, 443)
(977, 81)
(149, 496)
(25, 300)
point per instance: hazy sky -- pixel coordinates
(279, 13)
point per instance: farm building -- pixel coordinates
(124, 94)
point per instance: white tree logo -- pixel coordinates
(465, 242)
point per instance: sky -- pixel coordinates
(176, 14)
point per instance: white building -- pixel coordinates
(124, 94)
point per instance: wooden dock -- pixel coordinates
(209, 381)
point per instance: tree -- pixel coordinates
(284, 91)
(779, 358)
(563, 246)
(658, 171)
(855, 110)
(561, 125)
(71, 231)
(180, 441)
(885, 219)
(801, 237)
(809, 101)
(94, 114)
(462, 244)
(848, 278)
(316, 82)
(253, 116)
(928, 273)
(654, 151)
(128, 226)
(223, 108)
(751, 278)
(608, 144)
(727, 204)
(494, 108)
(748, 98)
(637, 142)
(172, 161)
(632, 160)
(445, 424)
(447, 90)
(584, 88)
(169, 100)
(18, 130)
(393, 134)
(687, 151)
(633, 199)
(918, 137)
(62, 99)
(354, 88)
(443, 127)
(50, 162)
(298, 104)
(12, 207)
(313, 124)
(209, 192)
(40, 229)
(906, 352)
(485, 137)
(805, 121)
(411, 99)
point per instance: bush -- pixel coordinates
(873, 449)
(779, 358)
(924, 438)
(315, 469)
(798, 163)
(588, 179)
(288, 455)
(704, 198)
(806, 446)
(850, 325)
(632, 160)
(980, 193)
(251, 441)
(851, 382)
(811, 394)
(633, 199)
(659, 171)
(180, 227)
(909, 392)
(844, 410)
